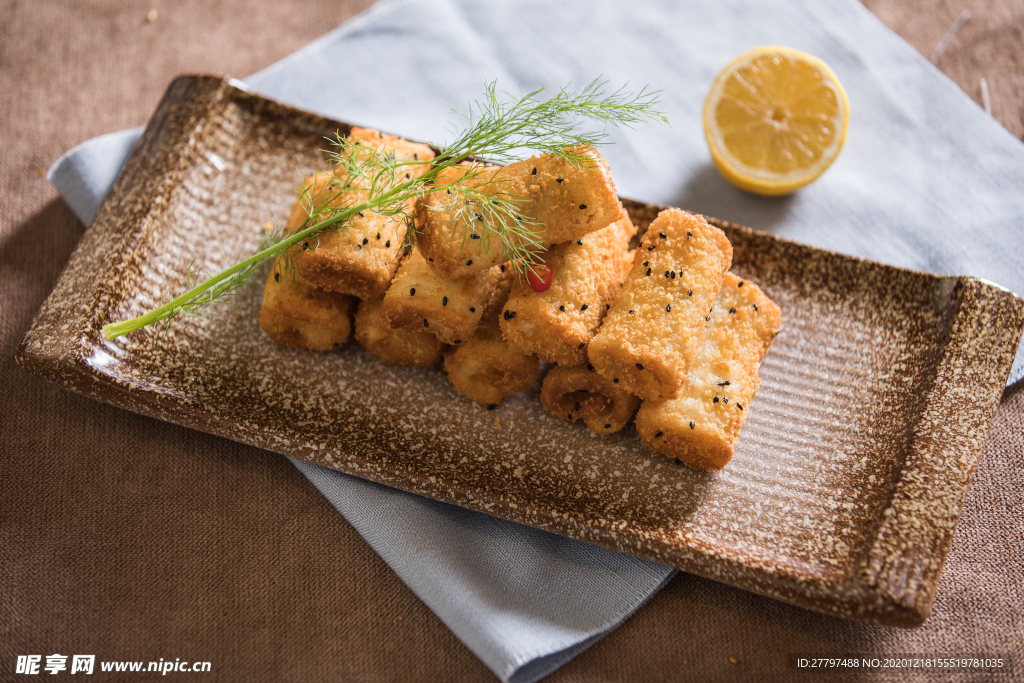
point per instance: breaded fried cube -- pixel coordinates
(579, 393)
(295, 313)
(650, 336)
(361, 257)
(557, 324)
(701, 426)
(484, 368)
(398, 347)
(450, 309)
(564, 201)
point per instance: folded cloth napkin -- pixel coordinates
(927, 181)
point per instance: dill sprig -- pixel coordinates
(498, 129)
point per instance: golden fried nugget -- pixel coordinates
(567, 203)
(361, 257)
(295, 313)
(701, 426)
(574, 393)
(450, 309)
(557, 324)
(650, 335)
(398, 347)
(484, 368)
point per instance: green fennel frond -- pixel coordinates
(499, 128)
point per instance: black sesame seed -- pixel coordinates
(668, 309)
(724, 384)
(412, 291)
(631, 311)
(582, 206)
(305, 245)
(576, 406)
(689, 235)
(639, 366)
(716, 400)
(650, 248)
(707, 318)
(388, 243)
(582, 344)
(479, 217)
(472, 309)
(469, 262)
(647, 263)
(666, 273)
(616, 380)
(474, 236)
(732, 310)
(725, 399)
(740, 405)
(755, 307)
(569, 417)
(425, 323)
(492, 406)
(590, 367)
(579, 242)
(608, 426)
(534, 171)
(558, 180)
(583, 307)
(607, 306)
(740, 284)
(415, 156)
(277, 277)
(458, 341)
(673, 275)
(503, 268)
(658, 435)
(444, 301)
(361, 214)
(431, 260)
(366, 240)
(689, 292)
(448, 191)
(407, 176)
(378, 235)
(648, 272)
(661, 235)
(561, 308)
(691, 424)
(506, 315)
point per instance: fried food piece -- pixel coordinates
(557, 324)
(484, 368)
(398, 347)
(574, 393)
(651, 334)
(567, 203)
(361, 257)
(295, 313)
(450, 309)
(701, 426)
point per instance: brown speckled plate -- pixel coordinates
(846, 484)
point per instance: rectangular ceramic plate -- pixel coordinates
(846, 484)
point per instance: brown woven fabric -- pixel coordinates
(133, 539)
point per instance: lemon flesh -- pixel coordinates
(775, 119)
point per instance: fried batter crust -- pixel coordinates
(450, 309)
(721, 384)
(295, 313)
(579, 393)
(553, 325)
(362, 257)
(484, 368)
(651, 334)
(398, 347)
(566, 201)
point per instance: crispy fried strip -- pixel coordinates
(701, 426)
(295, 313)
(398, 347)
(450, 309)
(651, 334)
(557, 324)
(484, 368)
(574, 393)
(568, 202)
(362, 257)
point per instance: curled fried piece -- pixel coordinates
(557, 324)
(651, 334)
(701, 426)
(574, 393)
(361, 257)
(449, 309)
(295, 313)
(568, 203)
(398, 347)
(484, 368)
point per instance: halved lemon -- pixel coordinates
(775, 119)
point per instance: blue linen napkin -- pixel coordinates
(927, 181)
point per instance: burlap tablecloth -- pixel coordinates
(125, 536)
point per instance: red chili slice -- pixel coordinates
(540, 277)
